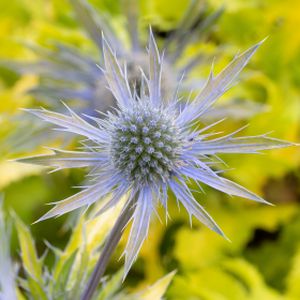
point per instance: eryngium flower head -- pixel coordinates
(145, 143)
(149, 146)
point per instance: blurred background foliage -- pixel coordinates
(263, 259)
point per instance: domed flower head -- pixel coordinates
(149, 146)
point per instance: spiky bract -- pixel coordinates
(149, 146)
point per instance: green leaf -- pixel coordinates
(36, 290)
(110, 288)
(20, 296)
(31, 262)
(158, 289)
(61, 283)
(79, 274)
(74, 243)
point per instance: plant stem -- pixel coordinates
(108, 249)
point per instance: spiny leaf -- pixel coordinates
(73, 123)
(66, 159)
(158, 289)
(216, 86)
(36, 290)
(139, 228)
(85, 197)
(229, 144)
(61, 282)
(32, 264)
(154, 71)
(116, 77)
(111, 287)
(74, 243)
(193, 207)
(222, 184)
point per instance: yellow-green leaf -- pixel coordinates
(158, 289)
(31, 262)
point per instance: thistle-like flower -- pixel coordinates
(150, 146)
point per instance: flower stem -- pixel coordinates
(108, 249)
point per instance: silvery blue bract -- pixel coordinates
(149, 146)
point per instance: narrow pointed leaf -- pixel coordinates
(86, 197)
(31, 263)
(193, 207)
(61, 282)
(75, 242)
(115, 77)
(230, 144)
(139, 227)
(157, 290)
(154, 71)
(115, 198)
(216, 86)
(67, 159)
(36, 290)
(73, 124)
(236, 109)
(111, 286)
(219, 183)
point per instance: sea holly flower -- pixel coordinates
(149, 146)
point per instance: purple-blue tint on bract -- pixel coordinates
(149, 146)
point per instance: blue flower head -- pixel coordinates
(149, 146)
